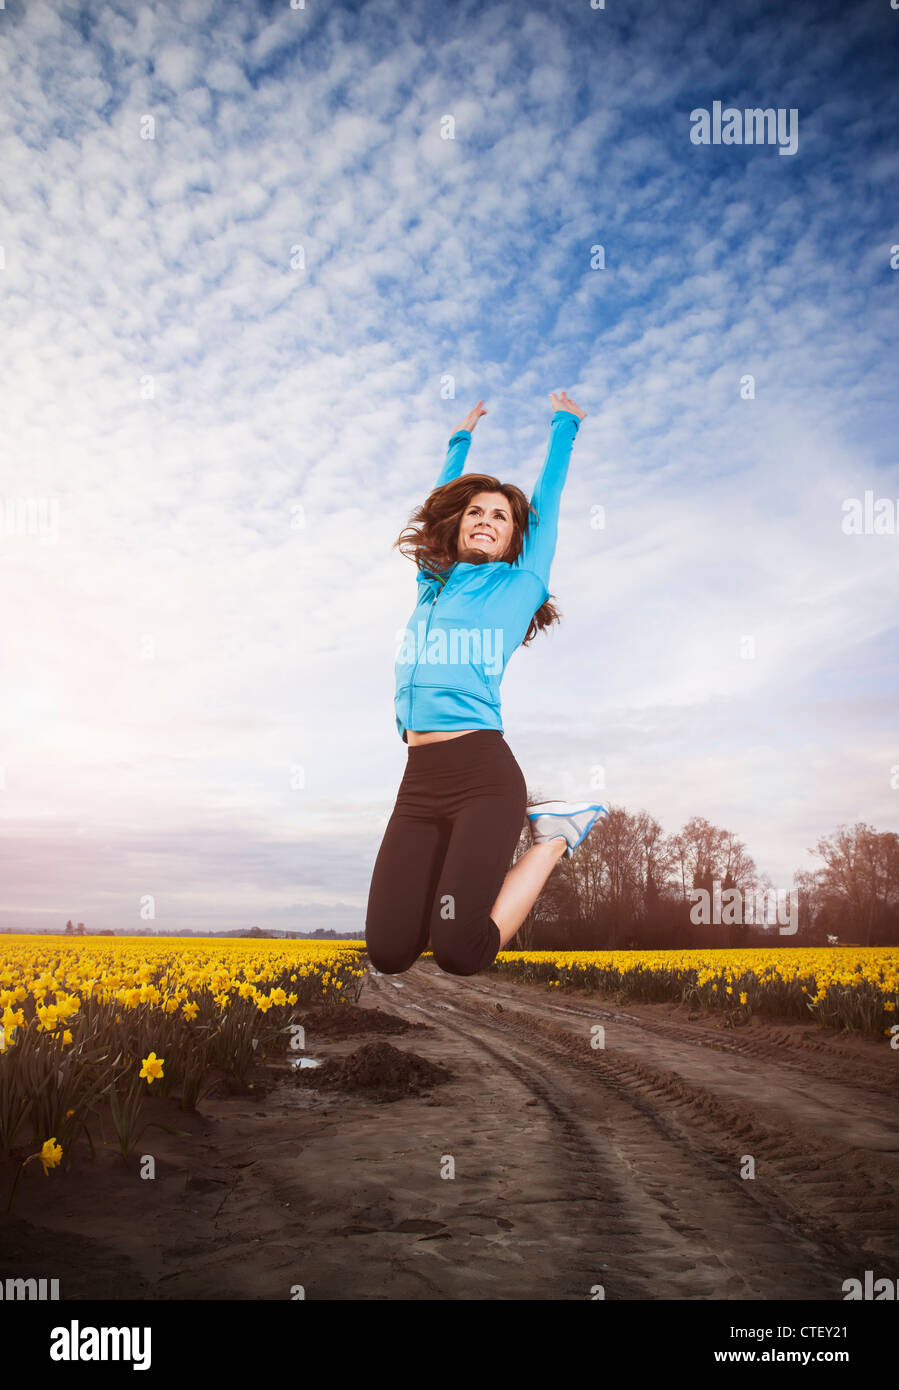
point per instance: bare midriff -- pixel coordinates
(436, 736)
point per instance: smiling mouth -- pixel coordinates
(481, 536)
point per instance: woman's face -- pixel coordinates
(486, 526)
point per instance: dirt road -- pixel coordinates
(622, 1163)
(575, 1168)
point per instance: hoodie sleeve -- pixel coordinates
(540, 543)
(456, 454)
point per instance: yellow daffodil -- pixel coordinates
(50, 1155)
(151, 1068)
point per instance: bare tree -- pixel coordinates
(860, 877)
(658, 859)
(629, 882)
(736, 863)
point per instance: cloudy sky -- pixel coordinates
(258, 262)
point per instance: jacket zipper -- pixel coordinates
(418, 658)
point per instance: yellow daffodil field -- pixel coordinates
(93, 1019)
(841, 987)
(91, 1025)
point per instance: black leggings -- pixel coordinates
(447, 847)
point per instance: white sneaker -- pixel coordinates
(569, 820)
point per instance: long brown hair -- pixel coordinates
(430, 537)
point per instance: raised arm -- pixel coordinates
(540, 542)
(459, 445)
(456, 454)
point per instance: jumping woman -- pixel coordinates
(442, 875)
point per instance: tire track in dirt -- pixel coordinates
(844, 1196)
(670, 1217)
(830, 1067)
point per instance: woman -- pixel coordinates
(442, 873)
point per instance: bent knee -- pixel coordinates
(387, 964)
(456, 962)
(388, 959)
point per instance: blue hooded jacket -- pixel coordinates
(470, 618)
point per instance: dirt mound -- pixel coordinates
(346, 1020)
(377, 1070)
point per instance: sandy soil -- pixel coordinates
(574, 1166)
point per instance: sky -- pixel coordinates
(259, 262)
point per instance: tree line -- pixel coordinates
(629, 885)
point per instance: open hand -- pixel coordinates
(561, 402)
(472, 417)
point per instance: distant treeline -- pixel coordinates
(320, 934)
(630, 885)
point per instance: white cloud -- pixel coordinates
(177, 386)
